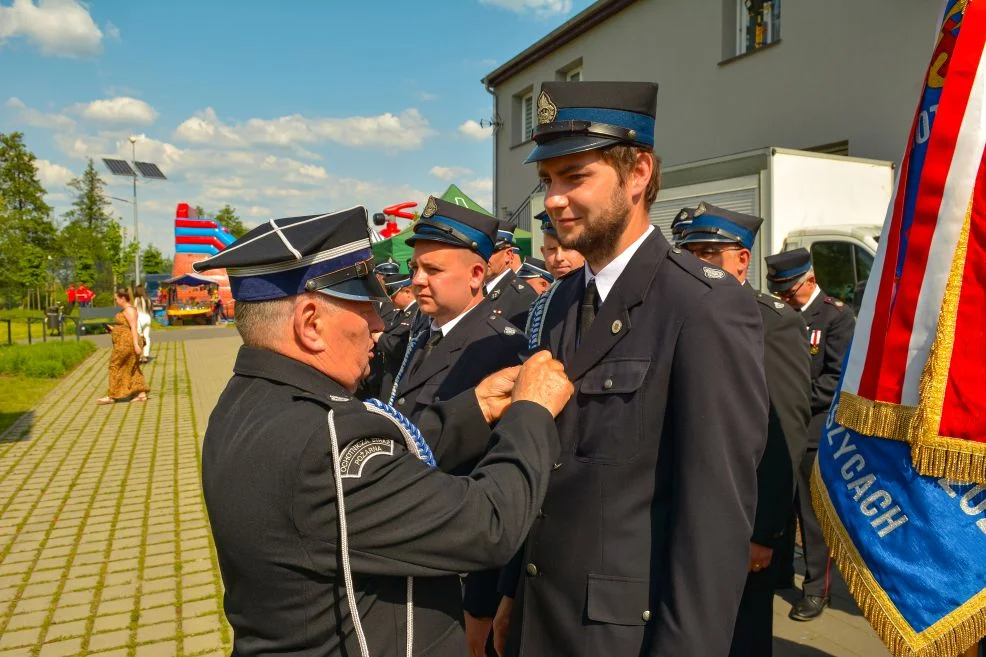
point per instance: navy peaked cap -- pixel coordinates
(328, 253)
(713, 224)
(785, 269)
(456, 225)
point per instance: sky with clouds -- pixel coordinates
(278, 109)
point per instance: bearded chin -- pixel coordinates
(602, 233)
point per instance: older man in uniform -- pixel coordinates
(558, 260)
(642, 545)
(510, 297)
(681, 221)
(466, 341)
(535, 273)
(725, 239)
(324, 508)
(830, 327)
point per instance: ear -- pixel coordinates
(641, 174)
(477, 275)
(307, 320)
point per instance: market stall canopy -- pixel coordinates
(191, 278)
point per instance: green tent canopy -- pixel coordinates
(395, 247)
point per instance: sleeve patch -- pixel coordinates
(356, 454)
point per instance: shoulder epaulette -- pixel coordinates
(502, 326)
(832, 301)
(702, 271)
(774, 303)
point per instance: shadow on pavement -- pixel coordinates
(12, 434)
(785, 648)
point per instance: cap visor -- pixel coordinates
(706, 238)
(782, 286)
(429, 237)
(567, 146)
(357, 289)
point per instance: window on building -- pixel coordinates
(527, 114)
(575, 75)
(759, 24)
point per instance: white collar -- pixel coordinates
(447, 327)
(608, 275)
(811, 299)
(410, 305)
(496, 281)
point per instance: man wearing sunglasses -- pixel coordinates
(725, 239)
(830, 327)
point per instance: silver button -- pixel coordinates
(437, 399)
(607, 384)
(556, 466)
(532, 570)
(400, 402)
(676, 250)
(646, 615)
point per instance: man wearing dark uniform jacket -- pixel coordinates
(642, 545)
(725, 239)
(392, 343)
(466, 341)
(324, 509)
(535, 273)
(830, 327)
(510, 296)
(557, 259)
(372, 385)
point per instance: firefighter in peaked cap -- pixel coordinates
(511, 296)
(325, 509)
(725, 239)
(558, 260)
(643, 543)
(790, 276)
(535, 273)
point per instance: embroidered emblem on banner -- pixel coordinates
(355, 456)
(547, 110)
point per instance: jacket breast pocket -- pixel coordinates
(617, 600)
(610, 410)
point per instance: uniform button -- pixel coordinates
(607, 384)
(556, 466)
(437, 399)
(532, 570)
(646, 615)
(400, 402)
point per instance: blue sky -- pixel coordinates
(276, 108)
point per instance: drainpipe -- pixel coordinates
(492, 93)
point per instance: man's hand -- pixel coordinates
(493, 393)
(760, 557)
(542, 380)
(501, 624)
(477, 631)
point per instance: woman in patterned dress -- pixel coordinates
(126, 379)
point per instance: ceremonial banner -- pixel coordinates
(912, 547)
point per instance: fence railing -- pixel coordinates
(51, 326)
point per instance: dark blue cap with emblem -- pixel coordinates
(573, 117)
(533, 268)
(504, 235)
(442, 221)
(681, 221)
(785, 269)
(718, 225)
(387, 267)
(394, 282)
(547, 227)
(328, 253)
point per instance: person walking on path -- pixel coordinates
(142, 303)
(126, 379)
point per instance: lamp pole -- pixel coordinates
(133, 152)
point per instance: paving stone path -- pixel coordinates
(104, 542)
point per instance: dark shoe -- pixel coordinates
(808, 608)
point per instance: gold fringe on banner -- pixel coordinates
(876, 418)
(949, 637)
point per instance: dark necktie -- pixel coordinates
(422, 353)
(587, 311)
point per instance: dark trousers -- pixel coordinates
(817, 560)
(753, 635)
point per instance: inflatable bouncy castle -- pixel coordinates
(197, 238)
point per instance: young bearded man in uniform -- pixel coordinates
(642, 545)
(830, 327)
(725, 239)
(325, 509)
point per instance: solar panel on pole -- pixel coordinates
(119, 167)
(150, 170)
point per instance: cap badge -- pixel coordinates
(700, 210)
(430, 208)
(547, 110)
(712, 272)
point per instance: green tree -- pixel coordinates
(228, 219)
(200, 212)
(152, 261)
(27, 233)
(91, 236)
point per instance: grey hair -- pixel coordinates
(255, 320)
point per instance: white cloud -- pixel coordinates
(112, 31)
(39, 119)
(540, 8)
(472, 130)
(449, 173)
(481, 191)
(53, 176)
(406, 130)
(122, 110)
(58, 27)
(425, 96)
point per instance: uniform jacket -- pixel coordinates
(834, 323)
(786, 363)
(512, 297)
(642, 546)
(371, 386)
(392, 345)
(267, 476)
(481, 343)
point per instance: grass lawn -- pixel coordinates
(19, 394)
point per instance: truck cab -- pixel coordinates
(842, 256)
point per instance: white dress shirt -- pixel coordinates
(607, 276)
(496, 281)
(447, 327)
